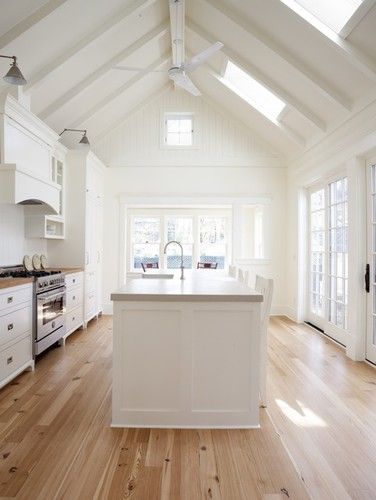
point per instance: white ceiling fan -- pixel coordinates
(180, 70)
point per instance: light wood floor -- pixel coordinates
(55, 439)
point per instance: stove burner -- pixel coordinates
(27, 274)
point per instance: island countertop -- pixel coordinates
(198, 286)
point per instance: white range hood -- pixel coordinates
(26, 147)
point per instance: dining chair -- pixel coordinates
(149, 265)
(207, 265)
(265, 287)
(232, 271)
(243, 276)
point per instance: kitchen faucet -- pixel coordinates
(182, 256)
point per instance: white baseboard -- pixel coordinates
(108, 308)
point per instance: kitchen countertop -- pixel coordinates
(10, 282)
(198, 286)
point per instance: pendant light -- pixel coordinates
(84, 140)
(14, 75)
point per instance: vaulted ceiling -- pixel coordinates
(68, 51)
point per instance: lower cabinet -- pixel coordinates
(16, 323)
(91, 309)
(74, 307)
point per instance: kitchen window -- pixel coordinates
(204, 237)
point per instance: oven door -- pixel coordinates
(50, 311)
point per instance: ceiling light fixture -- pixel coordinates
(14, 75)
(84, 140)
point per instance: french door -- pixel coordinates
(327, 294)
(371, 266)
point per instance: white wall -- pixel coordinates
(13, 244)
(206, 182)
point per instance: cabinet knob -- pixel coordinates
(9, 360)
(74, 317)
(10, 327)
(74, 297)
(10, 300)
(74, 280)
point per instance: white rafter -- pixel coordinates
(261, 37)
(116, 93)
(355, 56)
(29, 22)
(153, 35)
(130, 10)
(277, 123)
(262, 78)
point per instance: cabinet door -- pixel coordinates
(90, 238)
(99, 247)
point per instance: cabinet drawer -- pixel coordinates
(74, 319)
(14, 357)
(90, 281)
(74, 298)
(15, 323)
(13, 297)
(73, 280)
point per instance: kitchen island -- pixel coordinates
(186, 353)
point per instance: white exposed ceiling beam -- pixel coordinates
(130, 10)
(259, 36)
(281, 126)
(29, 22)
(117, 92)
(132, 112)
(177, 29)
(153, 35)
(263, 79)
(355, 19)
(354, 56)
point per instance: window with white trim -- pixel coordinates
(328, 258)
(203, 233)
(178, 129)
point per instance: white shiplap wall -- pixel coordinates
(13, 244)
(222, 139)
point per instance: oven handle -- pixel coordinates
(49, 296)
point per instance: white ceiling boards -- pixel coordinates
(321, 77)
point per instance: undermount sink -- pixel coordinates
(158, 276)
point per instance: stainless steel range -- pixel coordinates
(48, 307)
(50, 310)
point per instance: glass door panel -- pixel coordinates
(371, 251)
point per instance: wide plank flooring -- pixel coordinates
(318, 434)
(56, 441)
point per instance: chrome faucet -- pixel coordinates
(182, 256)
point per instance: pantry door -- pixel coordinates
(370, 281)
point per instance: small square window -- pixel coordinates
(179, 129)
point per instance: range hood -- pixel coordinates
(19, 187)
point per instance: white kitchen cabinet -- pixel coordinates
(74, 307)
(83, 243)
(16, 323)
(27, 146)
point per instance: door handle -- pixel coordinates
(367, 278)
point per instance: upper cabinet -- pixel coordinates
(31, 159)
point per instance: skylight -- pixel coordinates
(334, 13)
(252, 91)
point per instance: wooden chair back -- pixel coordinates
(243, 276)
(207, 265)
(149, 265)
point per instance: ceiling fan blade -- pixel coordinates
(183, 81)
(203, 56)
(132, 68)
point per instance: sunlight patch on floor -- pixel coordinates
(302, 418)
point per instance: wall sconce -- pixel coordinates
(14, 75)
(84, 140)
